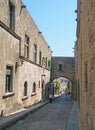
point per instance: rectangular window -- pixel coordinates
(49, 64)
(9, 71)
(35, 53)
(46, 62)
(11, 16)
(92, 63)
(26, 49)
(60, 67)
(43, 62)
(85, 76)
(78, 86)
(40, 57)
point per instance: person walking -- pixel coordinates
(50, 98)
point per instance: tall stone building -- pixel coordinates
(24, 58)
(86, 64)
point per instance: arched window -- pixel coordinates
(34, 88)
(39, 84)
(25, 88)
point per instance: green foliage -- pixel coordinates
(57, 85)
(49, 63)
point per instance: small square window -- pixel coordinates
(60, 67)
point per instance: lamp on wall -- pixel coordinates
(43, 76)
(21, 63)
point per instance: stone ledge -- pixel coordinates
(33, 94)
(24, 98)
(9, 94)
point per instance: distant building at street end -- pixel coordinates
(64, 67)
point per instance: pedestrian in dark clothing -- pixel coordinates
(50, 97)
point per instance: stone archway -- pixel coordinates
(64, 67)
(71, 79)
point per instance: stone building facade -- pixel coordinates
(86, 64)
(24, 58)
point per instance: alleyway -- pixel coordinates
(53, 116)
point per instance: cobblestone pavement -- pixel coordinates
(53, 116)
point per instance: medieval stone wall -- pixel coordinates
(68, 67)
(86, 64)
(12, 51)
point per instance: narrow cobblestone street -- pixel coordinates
(53, 116)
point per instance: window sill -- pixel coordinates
(9, 94)
(24, 98)
(33, 94)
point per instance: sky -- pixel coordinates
(56, 20)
